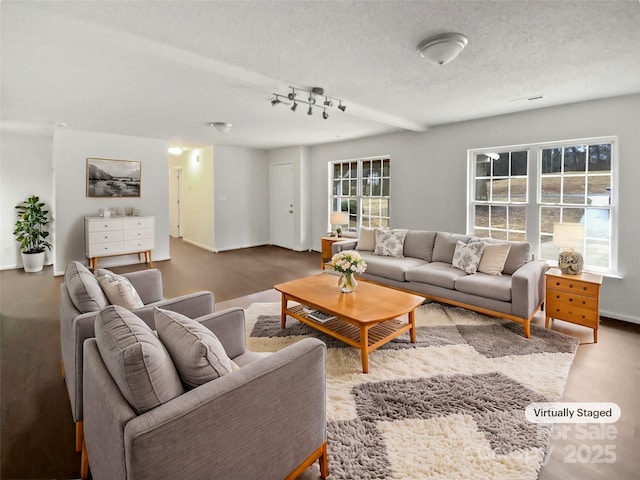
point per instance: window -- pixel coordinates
(519, 193)
(361, 188)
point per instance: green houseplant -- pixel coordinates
(31, 234)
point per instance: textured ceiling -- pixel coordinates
(166, 69)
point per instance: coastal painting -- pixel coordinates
(113, 178)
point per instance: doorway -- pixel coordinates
(281, 192)
(175, 203)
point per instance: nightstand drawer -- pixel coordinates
(572, 300)
(573, 286)
(570, 313)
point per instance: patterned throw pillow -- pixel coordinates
(119, 290)
(467, 256)
(390, 243)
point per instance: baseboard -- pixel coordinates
(199, 245)
(620, 316)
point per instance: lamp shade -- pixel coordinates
(339, 218)
(568, 235)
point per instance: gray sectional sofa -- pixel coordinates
(515, 292)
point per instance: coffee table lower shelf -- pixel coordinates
(365, 337)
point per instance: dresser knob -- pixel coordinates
(557, 284)
(558, 297)
(570, 312)
(571, 299)
(557, 309)
(584, 288)
(570, 285)
(583, 316)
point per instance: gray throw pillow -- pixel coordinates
(136, 359)
(84, 289)
(119, 289)
(367, 240)
(196, 351)
(390, 242)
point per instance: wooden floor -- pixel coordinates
(38, 433)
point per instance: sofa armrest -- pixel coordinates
(527, 288)
(261, 421)
(348, 244)
(148, 284)
(229, 326)
(192, 305)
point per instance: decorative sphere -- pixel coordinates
(570, 262)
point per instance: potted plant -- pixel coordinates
(31, 234)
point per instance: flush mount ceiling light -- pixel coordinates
(222, 127)
(442, 49)
(176, 150)
(315, 97)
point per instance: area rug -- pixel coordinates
(452, 405)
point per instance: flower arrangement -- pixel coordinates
(348, 262)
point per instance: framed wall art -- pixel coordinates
(113, 178)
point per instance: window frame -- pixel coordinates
(534, 203)
(359, 196)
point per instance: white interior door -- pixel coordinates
(175, 197)
(281, 205)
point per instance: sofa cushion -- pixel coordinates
(519, 253)
(484, 285)
(390, 267)
(84, 289)
(439, 274)
(445, 245)
(136, 359)
(367, 240)
(419, 244)
(467, 256)
(197, 353)
(493, 258)
(118, 289)
(390, 242)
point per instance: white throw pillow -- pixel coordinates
(367, 240)
(467, 256)
(119, 290)
(196, 352)
(493, 258)
(390, 243)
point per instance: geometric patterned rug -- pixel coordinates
(449, 406)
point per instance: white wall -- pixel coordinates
(70, 152)
(300, 158)
(198, 198)
(429, 170)
(241, 198)
(25, 170)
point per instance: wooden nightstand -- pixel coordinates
(327, 253)
(573, 298)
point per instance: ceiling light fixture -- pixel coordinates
(222, 127)
(175, 150)
(311, 100)
(442, 49)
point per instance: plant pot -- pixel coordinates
(33, 262)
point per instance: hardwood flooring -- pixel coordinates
(38, 433)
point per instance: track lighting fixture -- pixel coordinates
(310, 98)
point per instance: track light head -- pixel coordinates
(325, 115)
(342, 107)
(310, 111)
(294, 106)
(275, 101)
(292, 95)
(327, 102)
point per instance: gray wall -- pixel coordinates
(429, 175)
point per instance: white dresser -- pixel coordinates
(105, 237)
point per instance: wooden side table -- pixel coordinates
(573, 298)
(327, 253)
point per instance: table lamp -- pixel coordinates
(339, 218)
(569, 236)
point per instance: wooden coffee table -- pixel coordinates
(365, 319)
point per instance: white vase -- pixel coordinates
(347, 283)
(33, 262)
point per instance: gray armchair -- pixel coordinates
(266, 420)
(81, 298)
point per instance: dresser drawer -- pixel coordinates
(105, 237)
(138, 233)
(571, 299)
(571, 313)
(104, 225)
(137, 223)
(572, 286)
(103, 249)
(138, 245)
